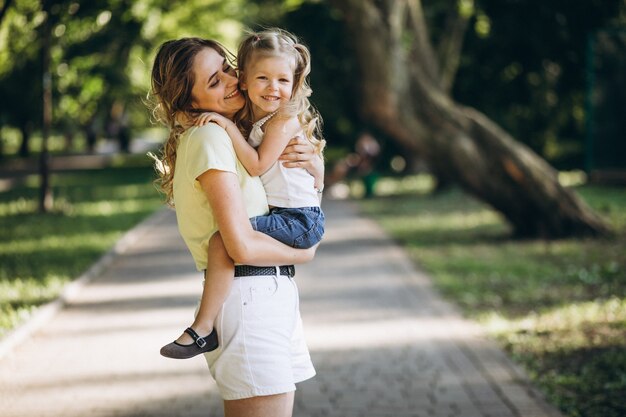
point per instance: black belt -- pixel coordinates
(253, 271)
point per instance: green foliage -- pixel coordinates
(527, 72)
(559, 307)
(334, 78)
(101, 55)
(20, 73)
(522, 63)
(39, 253)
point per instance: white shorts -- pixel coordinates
(261, 350)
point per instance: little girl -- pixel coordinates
(273, 68)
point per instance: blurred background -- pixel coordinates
(75, 128)
(533, 67)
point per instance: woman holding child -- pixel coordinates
(249, 328)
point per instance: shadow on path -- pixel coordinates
(383, 341)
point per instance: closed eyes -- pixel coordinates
(215, 79)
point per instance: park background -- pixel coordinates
(551, 74)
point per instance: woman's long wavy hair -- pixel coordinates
(170, 96)
(277, 42)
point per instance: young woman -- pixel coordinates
(261, 353)
(273, 69)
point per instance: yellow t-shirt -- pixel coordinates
(199, 150)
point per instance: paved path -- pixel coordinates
(383, 342)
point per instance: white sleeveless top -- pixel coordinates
(285, 187)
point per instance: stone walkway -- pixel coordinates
(383, 341)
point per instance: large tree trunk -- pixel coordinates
(403, 95)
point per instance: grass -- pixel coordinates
(40, 253)
(558, 307)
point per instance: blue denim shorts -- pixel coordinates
(299, 228)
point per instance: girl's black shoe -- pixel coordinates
(200, 345)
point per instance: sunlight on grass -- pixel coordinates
(558, 307)
(106, 208)
(448, 221)
(85, 241)
(40, 253)
(572, 178)
(605, 318)
(21, 205)
(575, 352)
(422, 183)
(21, 296)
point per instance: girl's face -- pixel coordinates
(216, 87)
(269, 82)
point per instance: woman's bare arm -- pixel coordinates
(244, 244)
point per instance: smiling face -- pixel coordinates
(269, 83)
(215, 85)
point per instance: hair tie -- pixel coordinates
(257, 38)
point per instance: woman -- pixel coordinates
(262, 353)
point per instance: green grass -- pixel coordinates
(558, 307)
(40, 253)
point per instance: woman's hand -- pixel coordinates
(309, 253)
(300, 153)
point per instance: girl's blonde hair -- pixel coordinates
(171, 93)
(277, 42)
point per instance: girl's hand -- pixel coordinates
(205, 118)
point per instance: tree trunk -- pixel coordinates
(3, 11)
(450, 45)
(403, 95)
(45, 191)
(25, 130)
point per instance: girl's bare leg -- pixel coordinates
(280, 405)
(217, 281)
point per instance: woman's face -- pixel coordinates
(216, 86)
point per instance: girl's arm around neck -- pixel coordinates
(243, 244)
(278, 132)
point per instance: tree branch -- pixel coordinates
(4, 9)
(450, 45)
(422, 51)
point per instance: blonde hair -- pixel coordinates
(276, 42)
(170, 94)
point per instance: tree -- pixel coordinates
(405, 94)
(99, 57)
(333, 79)
(20, 66)
(532, 56)
(4, 9)
(45, 191)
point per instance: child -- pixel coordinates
(273, 68)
